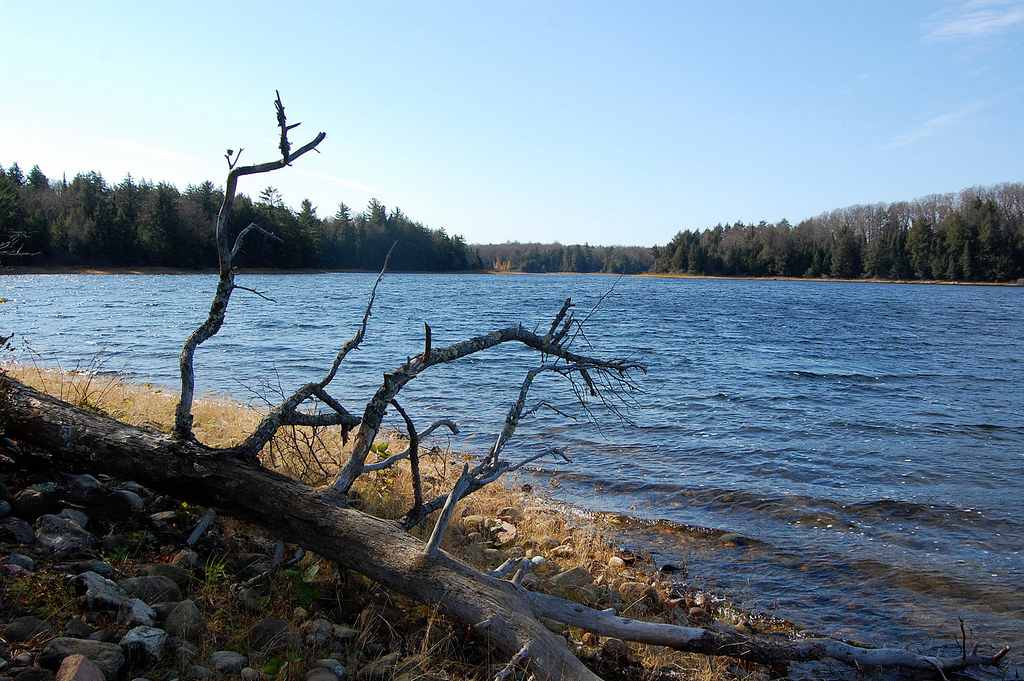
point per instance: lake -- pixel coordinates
(866, 441)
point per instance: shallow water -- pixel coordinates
(866, 440)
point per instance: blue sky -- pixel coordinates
(524, 121)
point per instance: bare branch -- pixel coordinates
(434, 543)
(241, 238)
(414, 459)
(515, 662)
(404, 454)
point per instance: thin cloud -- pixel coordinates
(976, 19)
(934, 125)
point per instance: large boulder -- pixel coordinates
(107, 656)
(63, 537)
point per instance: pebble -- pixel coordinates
(616, 563)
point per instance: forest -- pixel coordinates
(973, 235)
(536, 257)
(89, 222)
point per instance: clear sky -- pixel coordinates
(602, 122)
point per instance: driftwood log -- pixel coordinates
(495, 605)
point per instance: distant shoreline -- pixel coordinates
(22, 270)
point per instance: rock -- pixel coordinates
(697, 614)
(63, 537)
(16, 531)
(79, 668)
(178, 575)
(616, 563)
(151, 588)
(250, 674)
(5, 509)
(573, 578)
(21, 560)
(633, 591)
(107, 656)
(124, 502)
(186, 621)
(36, 500)
(136, 613)
(105, 636)
(186, 558)
(199, 673)
(554, 626)
(564, 551)
(317, 633)
(135, 488)
(511, 514)
(76, 628)
(250, 599)
(669, 568)
(332, 665)
(100, 567)
(75, 516)
(83, 489)
(144, 645)
(182, 651)
(615, 649)
(321, 674)
(342, 633)
(25, 629)
(228, 661)
(503, 532)
(379, 669)
(5, 494)
(269, 636)
(23, 659)
(35, 674)
(100, 593)
(474, 523)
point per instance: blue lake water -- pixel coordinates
(867, 439)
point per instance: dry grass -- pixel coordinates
(313, 456)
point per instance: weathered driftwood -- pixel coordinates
(507, 615)
(320, 520)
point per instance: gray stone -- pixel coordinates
(123, 501)
(179, 576)
(5, 509)
(144, 644)
(75, 516)
(151, 588)
(34, 674)
(79, 668)
(186, 621)
(135, 488)
(36, 500)
(99, 592)
(250, 674)
(198, 672)
(334, 666)
(134, 612)
(269, 636)
(183, 651)
(62, 537)
(228, 661)
(21, 560)
(76, 628)
(83, 489)
(16, 531)
(381, 668)
(573, 578)
(25, 629)
(100, 567)
(317, 633)
(321, 674)
(107, 656)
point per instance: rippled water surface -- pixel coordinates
(867, 441)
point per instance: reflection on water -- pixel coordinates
(865, 441)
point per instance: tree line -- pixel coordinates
(973, 235)
(535, 257)
(89, 222)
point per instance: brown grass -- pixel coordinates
(314, 456)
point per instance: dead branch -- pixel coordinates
(226, 276)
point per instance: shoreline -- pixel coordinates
(152, 270)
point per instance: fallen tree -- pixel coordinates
(495, 605)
